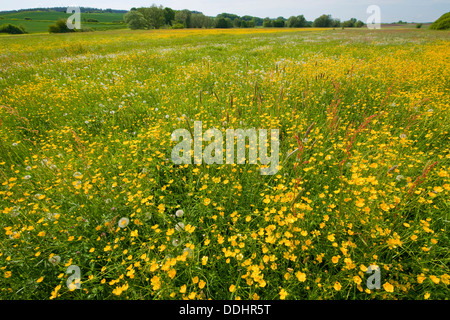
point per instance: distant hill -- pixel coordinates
(63, 9)
(38, 20)
(443, 23)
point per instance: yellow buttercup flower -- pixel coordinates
(337, 286)
(388, 287)
(283, 293)
(357, 279)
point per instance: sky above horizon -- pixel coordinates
(391, 10)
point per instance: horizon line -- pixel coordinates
(25, 9)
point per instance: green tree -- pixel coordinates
(335, 23)
(208, 22)
(279, 22)
(199, 20)
(135, 20)
(169, 16)
(256, 21)
(183, 17)
(296, 22)
(154, 16)
(349, 23)
(231, 16)
(359, 24)
(267, 23)
(223, 23)
(324, 21)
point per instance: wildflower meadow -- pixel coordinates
(93, 206)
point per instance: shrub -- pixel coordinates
(59, 27)
(12, 29)
(419, 25)
(92, 20)
(177, 25)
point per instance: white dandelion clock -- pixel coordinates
(179, 213)
(179, 226)
(123, 222)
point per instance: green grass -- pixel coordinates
(85, 140)
(42, 19)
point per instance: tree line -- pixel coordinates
(157, 17)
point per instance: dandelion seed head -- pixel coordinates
(179, 226)
(179, 213)
(123, 222)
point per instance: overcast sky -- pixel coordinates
(391, 10)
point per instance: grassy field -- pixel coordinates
(87, 180)
(38, 21)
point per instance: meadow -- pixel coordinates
(87, 180)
